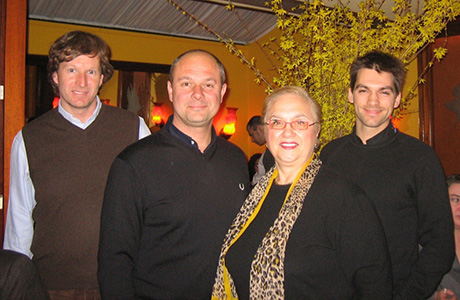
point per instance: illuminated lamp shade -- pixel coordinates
(157, 115)
(230, 121)
(105, 101)
(55, 102)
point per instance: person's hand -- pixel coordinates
(444, 294)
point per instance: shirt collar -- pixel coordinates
(379, 139)
(174, 131)
(76, 121)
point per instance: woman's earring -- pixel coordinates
(316, 144)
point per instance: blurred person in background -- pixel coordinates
(255, 130)
(449, 288)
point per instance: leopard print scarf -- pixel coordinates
(267, 268)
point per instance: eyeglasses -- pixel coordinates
(278, 124)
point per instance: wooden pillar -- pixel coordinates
(14, 92)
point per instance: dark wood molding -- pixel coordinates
(119, 65)
(453, 28)
(425, 91)
(2, 82)
(139, 67)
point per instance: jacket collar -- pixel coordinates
(174, 131)
(381, 138)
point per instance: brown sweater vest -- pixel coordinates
(69, 168)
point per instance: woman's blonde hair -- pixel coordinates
(293, 90)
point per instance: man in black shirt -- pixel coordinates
(401, 175)
(170, 199)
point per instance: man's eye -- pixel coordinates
(71, 70)
(276, 122)
(455, 199)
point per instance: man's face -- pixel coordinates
(454, 196)
(196, 91)
(79, 81)
(374, 98)
(257, 135)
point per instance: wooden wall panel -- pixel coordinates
(440, 101)
(14, 103)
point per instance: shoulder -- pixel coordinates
(412, 143)
(339, 192)
(228, 147)
(158, 144)
(118, 112)
(335, 145)
(45, 118)
(338, 142)
(412, 149)
(45, 122)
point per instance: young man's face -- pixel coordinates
(374, 99)
(79, 81)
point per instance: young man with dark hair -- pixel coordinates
(401, 175)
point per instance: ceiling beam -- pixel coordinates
(257, 5)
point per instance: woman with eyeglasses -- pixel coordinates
(304, 232)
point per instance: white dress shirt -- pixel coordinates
(260, 170)
(19, 228)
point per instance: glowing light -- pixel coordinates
(157, 114)
(55, 102)
(230, 121)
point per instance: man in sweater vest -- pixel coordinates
(401, 175)
(59, 167)
(171, 197)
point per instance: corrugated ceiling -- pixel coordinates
(161, 17)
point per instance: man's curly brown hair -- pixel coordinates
(76, 43)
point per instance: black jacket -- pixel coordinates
(405, 180)
(166, 210)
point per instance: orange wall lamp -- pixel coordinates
(55, 102)
(157, 115)
(230, 120)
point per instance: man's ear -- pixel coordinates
(350, 95)
(101, 81)
(397, 100)
(55, 78)
(170, 91)
(222, 92)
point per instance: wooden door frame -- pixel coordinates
(15, 26)
(2, 83)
